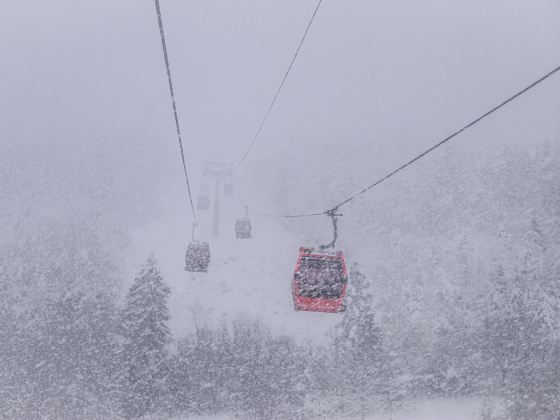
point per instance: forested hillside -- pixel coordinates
(455, 296)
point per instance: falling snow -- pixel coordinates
(126, 293)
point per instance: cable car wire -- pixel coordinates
(431, 149)
(173, 102)
(280, 87)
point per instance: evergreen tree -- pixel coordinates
(146, 340)
(284, 370)
(181, 385)
(250, 387)
(359, 347)
(518, 347)
(58, 316)
(73, 359)
(205, 369)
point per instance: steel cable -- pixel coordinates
(431, 149)
(173, 102)
(275, 98)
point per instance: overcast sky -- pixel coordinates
(385, 79)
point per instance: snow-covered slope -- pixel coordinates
(444, 409)
(247, 277)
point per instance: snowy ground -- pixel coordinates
(452, 409)
(458, 409)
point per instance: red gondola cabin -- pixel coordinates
(320, 281)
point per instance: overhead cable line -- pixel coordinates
(175, 114)
(275, 98)
(431, 149)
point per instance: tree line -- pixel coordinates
(439, 313)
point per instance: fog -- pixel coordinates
(90, 163)
(381, 81)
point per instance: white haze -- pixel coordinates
(87, 139)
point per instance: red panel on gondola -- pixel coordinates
(320, 281)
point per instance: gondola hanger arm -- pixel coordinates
(333, 215)
(194, 226)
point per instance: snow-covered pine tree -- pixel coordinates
(181, 383)
(249, 357)
(204, 371)
(72, 358)
(285, 370)
(359, 347)
(146, 339)
(517, 346)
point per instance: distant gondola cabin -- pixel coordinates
(197, 257)
(243, 228)
(203, 202)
